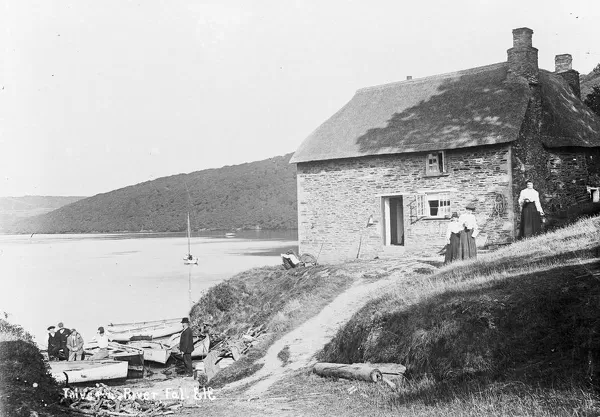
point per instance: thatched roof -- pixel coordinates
(457, 110)
(566, 120)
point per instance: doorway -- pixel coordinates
(393, 214)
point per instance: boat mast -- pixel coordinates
(188, 233)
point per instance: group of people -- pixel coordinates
(67, 344)
(64, 344)
(462, 230)
(460, 236)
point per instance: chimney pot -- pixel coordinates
(409, 77)
(563, 63)
(522, 37)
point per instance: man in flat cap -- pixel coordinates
(53, 344)
(63, 333)
(186, 345)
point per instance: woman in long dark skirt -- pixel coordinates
(453, 239)
(468, 245)
(531, 212)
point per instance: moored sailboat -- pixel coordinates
(189, 259)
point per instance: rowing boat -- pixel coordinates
(87, 371)
(153, 351)
(136, 331)
(132, 355)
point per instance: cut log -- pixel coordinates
(361, 372)
(386, 368)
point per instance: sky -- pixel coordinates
(99, 95)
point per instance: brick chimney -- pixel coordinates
(523, 57)
(563, 67)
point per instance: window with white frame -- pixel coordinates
(433, 205)
(435, 163)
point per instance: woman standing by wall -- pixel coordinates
(468, 246)
(453, 239)
(531, 212)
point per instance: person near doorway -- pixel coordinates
(468, 245)
(453, 239)
(531, 212)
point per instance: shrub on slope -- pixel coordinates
(26, 386)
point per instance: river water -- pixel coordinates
(88, 281)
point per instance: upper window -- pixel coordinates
(435, 163)
(435, 205)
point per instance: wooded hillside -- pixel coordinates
(261, 193)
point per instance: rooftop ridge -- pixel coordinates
(433, 77)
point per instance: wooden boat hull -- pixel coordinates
(144, 333)
(88, 371)
(153, 351)
(118, 352)
(142, 324)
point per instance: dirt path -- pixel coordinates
(305, 341)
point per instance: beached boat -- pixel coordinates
(132, 355)
(88, 371)
(153, 351)
(142, 324)
(189, 259)
(136, 331)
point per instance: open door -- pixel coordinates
(393, 208)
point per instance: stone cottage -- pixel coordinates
(385, 172)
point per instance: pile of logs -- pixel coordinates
(103, 400)
(228, 351)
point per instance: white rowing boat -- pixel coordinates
(153, 351)
(123, 333)
(87, 371)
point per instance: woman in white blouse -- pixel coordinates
(531, 211)
(468, 245)
(453, 239)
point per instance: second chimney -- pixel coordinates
(563, 66)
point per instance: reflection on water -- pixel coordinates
(92, 280)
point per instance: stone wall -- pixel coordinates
(560, 175)
(336, 199)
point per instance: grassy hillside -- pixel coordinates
(269, 296)
(588, 81)
(520, 320)
(254, 194)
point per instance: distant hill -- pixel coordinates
(14, 208)
(587, 81)
(256, 194)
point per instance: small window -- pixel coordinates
(436, 205)
(435, 163)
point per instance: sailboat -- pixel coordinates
(189, 259)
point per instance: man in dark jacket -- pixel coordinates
(53, 344)
(63, 333)
(186, 345)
